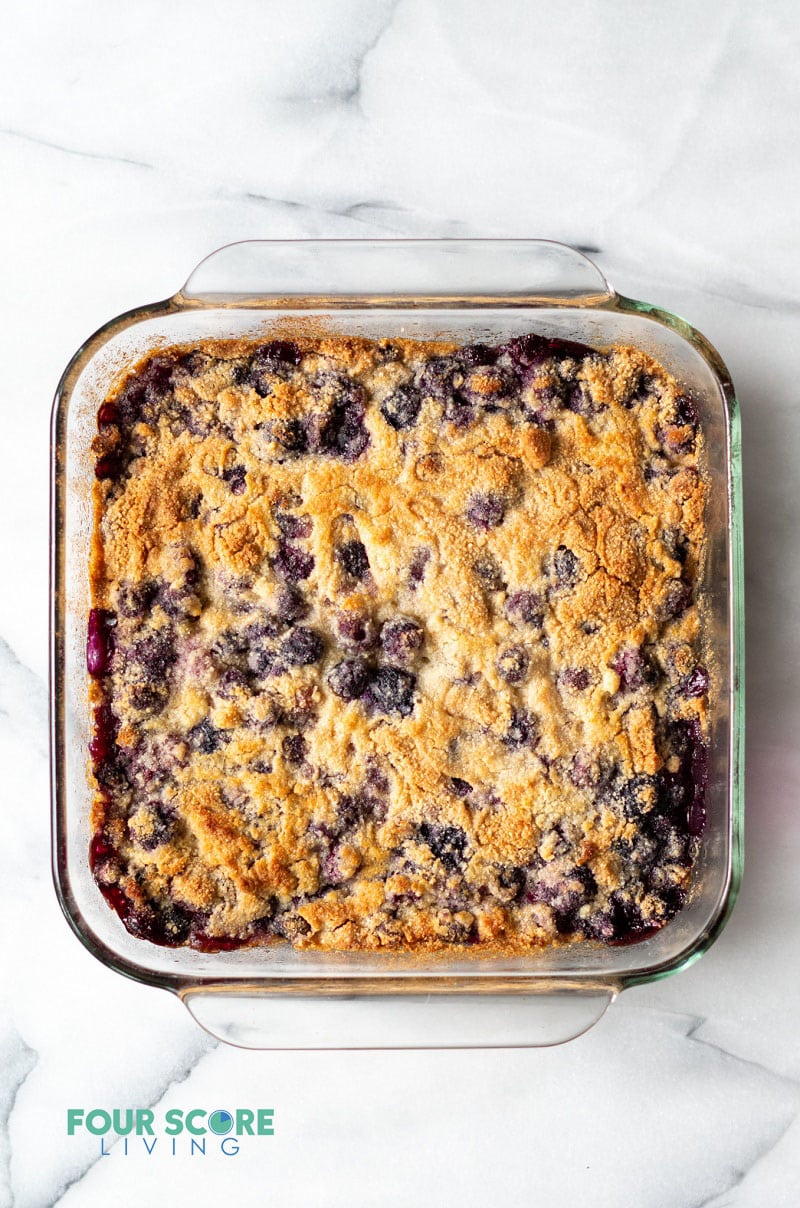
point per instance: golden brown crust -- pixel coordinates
(501, 546)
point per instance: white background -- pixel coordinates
(134, 139)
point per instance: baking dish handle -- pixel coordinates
(298, 1020)
(313, 273)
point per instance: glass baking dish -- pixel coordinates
(465, 290)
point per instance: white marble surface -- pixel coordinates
(136, 138)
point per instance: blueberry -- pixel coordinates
(486, 388)
(477, 354)
(276, 357)
(292, 435)
(356, 630)
(349, 679)
(459, 787)
(149, 385)
(168, 924)
(542, 403)
(525, 607)
(294, 526)
(642, 387)
(686, 740)
(512, 664)
(526, 351)
(676, 543)
(205, 738)
(565, 565)
(579, 400)
(232, 681)
(438, 378)
(290, 605)
(634, 668)
(401, 409)
(508, 883)
(343, 432)
(302, 647)
(447, 843)
(486, 509)
(284, 352)
(149, 698)
(376, 777)
(352, 810)
(686, 412)
(677, 598)
(401, 639)
(102, 747)
(352, 557)
(294, 748)
(489, 573)
(161, 826)
(100, 641)
(235, 477)
(417, 566)
(522, 730)
(108, 416)
(458, 411)
(577, 678)
(567, 349)
(628, 922)
(636, 796)
(154, 655)
(180, 599)
(109, 466)
(392, 691)
(695, 684)
(292, 563)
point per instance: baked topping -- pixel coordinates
(396, 645)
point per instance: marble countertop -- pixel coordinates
(134, 140)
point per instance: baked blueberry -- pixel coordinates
(100, 641)
(486, 509)
(401, 640)
(401, 409)
(565, 568)
(302, 647)
(522, 730)
(352, 557)
(293, 563)
(294, 748)
(206, 738)
(447, 844)
(512, 664)
(417, 567)
(349, 678)
(525, 608)
(391, 690)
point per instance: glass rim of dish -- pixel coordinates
(603, 300)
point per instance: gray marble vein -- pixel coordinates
(17, 1060)
(23, 700)
(347, 89)
(696, 1023)
(200, 1049)
(726, 1197)
(38, 141)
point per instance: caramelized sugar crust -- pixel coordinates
(397, 645)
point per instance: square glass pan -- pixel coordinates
(465, 290)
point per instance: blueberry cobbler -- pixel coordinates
(397, 645)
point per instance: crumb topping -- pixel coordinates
(396, 645)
